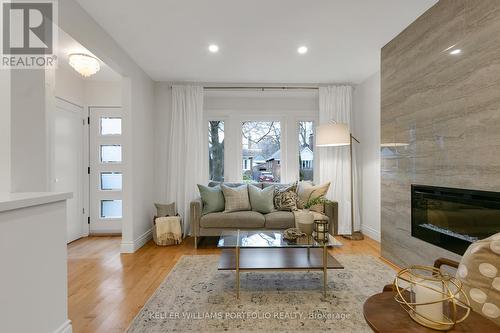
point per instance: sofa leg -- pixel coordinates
(195, 242)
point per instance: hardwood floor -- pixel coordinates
(107, 289)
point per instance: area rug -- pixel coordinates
(196, 297)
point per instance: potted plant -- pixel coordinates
(315, 201)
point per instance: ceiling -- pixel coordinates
(258, 39)
(67, 45)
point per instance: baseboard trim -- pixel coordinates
(65, 327)
(131, 247)
(370, 232)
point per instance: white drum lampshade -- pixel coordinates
(332, 134)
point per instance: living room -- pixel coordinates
(289, 166)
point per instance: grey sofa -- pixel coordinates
(212, 224)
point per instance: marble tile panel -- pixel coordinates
(448, 110)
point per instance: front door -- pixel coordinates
(106, 170)
(67, 136)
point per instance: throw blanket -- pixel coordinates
(307, 216)
(168, 228)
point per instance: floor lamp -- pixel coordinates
(336, 135)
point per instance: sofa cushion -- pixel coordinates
(307, 191)
(212, 197)
(236, 198)
(261, 200)
(163, 210)
(479, 273)
(235, 220)
(286, 198)
(280, 220)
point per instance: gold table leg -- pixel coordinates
(325, 258)
(237, 272)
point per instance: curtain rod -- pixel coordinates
(261, 88)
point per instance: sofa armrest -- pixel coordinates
(332, 211)
(195, 210)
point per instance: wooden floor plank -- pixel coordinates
(107, 289)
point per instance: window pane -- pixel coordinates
(111, 181)
(111, 154)
(111, 126)
(306, 150)
(111, 209)
(216, 150)
(261, 151)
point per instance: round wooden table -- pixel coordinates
(384, 314)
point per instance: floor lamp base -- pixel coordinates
(356, 235)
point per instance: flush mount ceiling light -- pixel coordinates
(213, 48)
(456, 51)
(84, 64)
(302, 50)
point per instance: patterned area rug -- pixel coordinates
(195, 297)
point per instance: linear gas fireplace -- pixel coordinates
(453, 218)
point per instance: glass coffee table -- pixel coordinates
(261, 250)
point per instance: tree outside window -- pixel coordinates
(306, 150)
(216, 150)
(261, 151)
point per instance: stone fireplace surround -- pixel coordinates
(440, 115)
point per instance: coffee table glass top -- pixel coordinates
(269, 238)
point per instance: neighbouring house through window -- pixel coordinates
(261, 152)
(306, 150)
(216, 150)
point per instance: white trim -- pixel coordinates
(371, 232)
(65, 327)
(131, 247)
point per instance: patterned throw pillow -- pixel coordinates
(307, 191)
(479, 271)
(286, 198)
(236, 198)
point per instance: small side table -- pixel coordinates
(384, 314)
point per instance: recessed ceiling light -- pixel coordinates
(213, 48)
(456, 51)
(302, 50)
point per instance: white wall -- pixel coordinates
(4, 130)
(138, 130)
(102, 93)
(366, 122)
(69, 86)
(29, 130)
(33, 282)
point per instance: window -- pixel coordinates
(261, 151)
(306, 150)
(111, 154)
(111, 126)
(216, 150)
(111, 209)
(111, 181)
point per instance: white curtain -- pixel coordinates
(335, 104)
(186, 154)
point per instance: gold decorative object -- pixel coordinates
(431, 297)
(320, 232)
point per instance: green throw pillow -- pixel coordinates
(212, 198)
(261, 200)
(163, 210)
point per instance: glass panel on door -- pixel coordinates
(106, 170)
